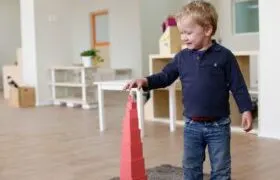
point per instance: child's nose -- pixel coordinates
(183, 37)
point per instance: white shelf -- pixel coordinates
(69, 100)
(71, 68)
(162, 56)
(253, 91)
(246, 53)
(73, 85)
(67, 84)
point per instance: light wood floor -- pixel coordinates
(57, 143)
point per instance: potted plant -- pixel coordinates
(91, 57)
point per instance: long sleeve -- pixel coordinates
(237, 85)
(166, 77)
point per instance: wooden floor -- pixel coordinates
(58, 143)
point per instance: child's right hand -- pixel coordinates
(137, 83)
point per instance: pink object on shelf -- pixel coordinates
(170, 21)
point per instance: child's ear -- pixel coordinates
(208, 30)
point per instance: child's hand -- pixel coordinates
(139, 83)
(247, 121)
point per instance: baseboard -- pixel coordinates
(240, 130)
(180, 123)
(45, 103)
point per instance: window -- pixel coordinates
(102, 34)
(246, 16)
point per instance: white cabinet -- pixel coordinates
(73, 85)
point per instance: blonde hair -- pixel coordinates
(202, 12)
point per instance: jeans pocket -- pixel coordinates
(223, 121)
(187, 120)
(221, 127)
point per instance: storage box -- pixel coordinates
(13, 72)
(22, 97)
(170, 41)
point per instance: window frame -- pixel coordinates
(93, 27)
(233, 2)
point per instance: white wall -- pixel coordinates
(152, 16)
(53, 41)
(186, 1)
(234, 42)
(134, 31)
(63, 30)
(125, 35)
(225, 28)
(269, 64)
(124, 32)
(242, 42)
(9, 32)
(29, 64)
(81, 25)
(46, 41)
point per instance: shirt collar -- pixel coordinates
(215, 46)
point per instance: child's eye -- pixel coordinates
(185, 32)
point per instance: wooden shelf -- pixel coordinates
(158, 108)
(161, 104)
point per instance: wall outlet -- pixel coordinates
(52, 18)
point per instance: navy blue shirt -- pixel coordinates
(207, 77)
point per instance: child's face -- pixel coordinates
(193, 35)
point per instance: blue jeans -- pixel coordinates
(215, 135)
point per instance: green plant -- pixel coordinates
(98, 59)
(93, 53)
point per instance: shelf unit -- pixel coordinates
(73, 85)
(157, 108)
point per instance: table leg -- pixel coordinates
(140, 110)
(172, 107)
(102, 123)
